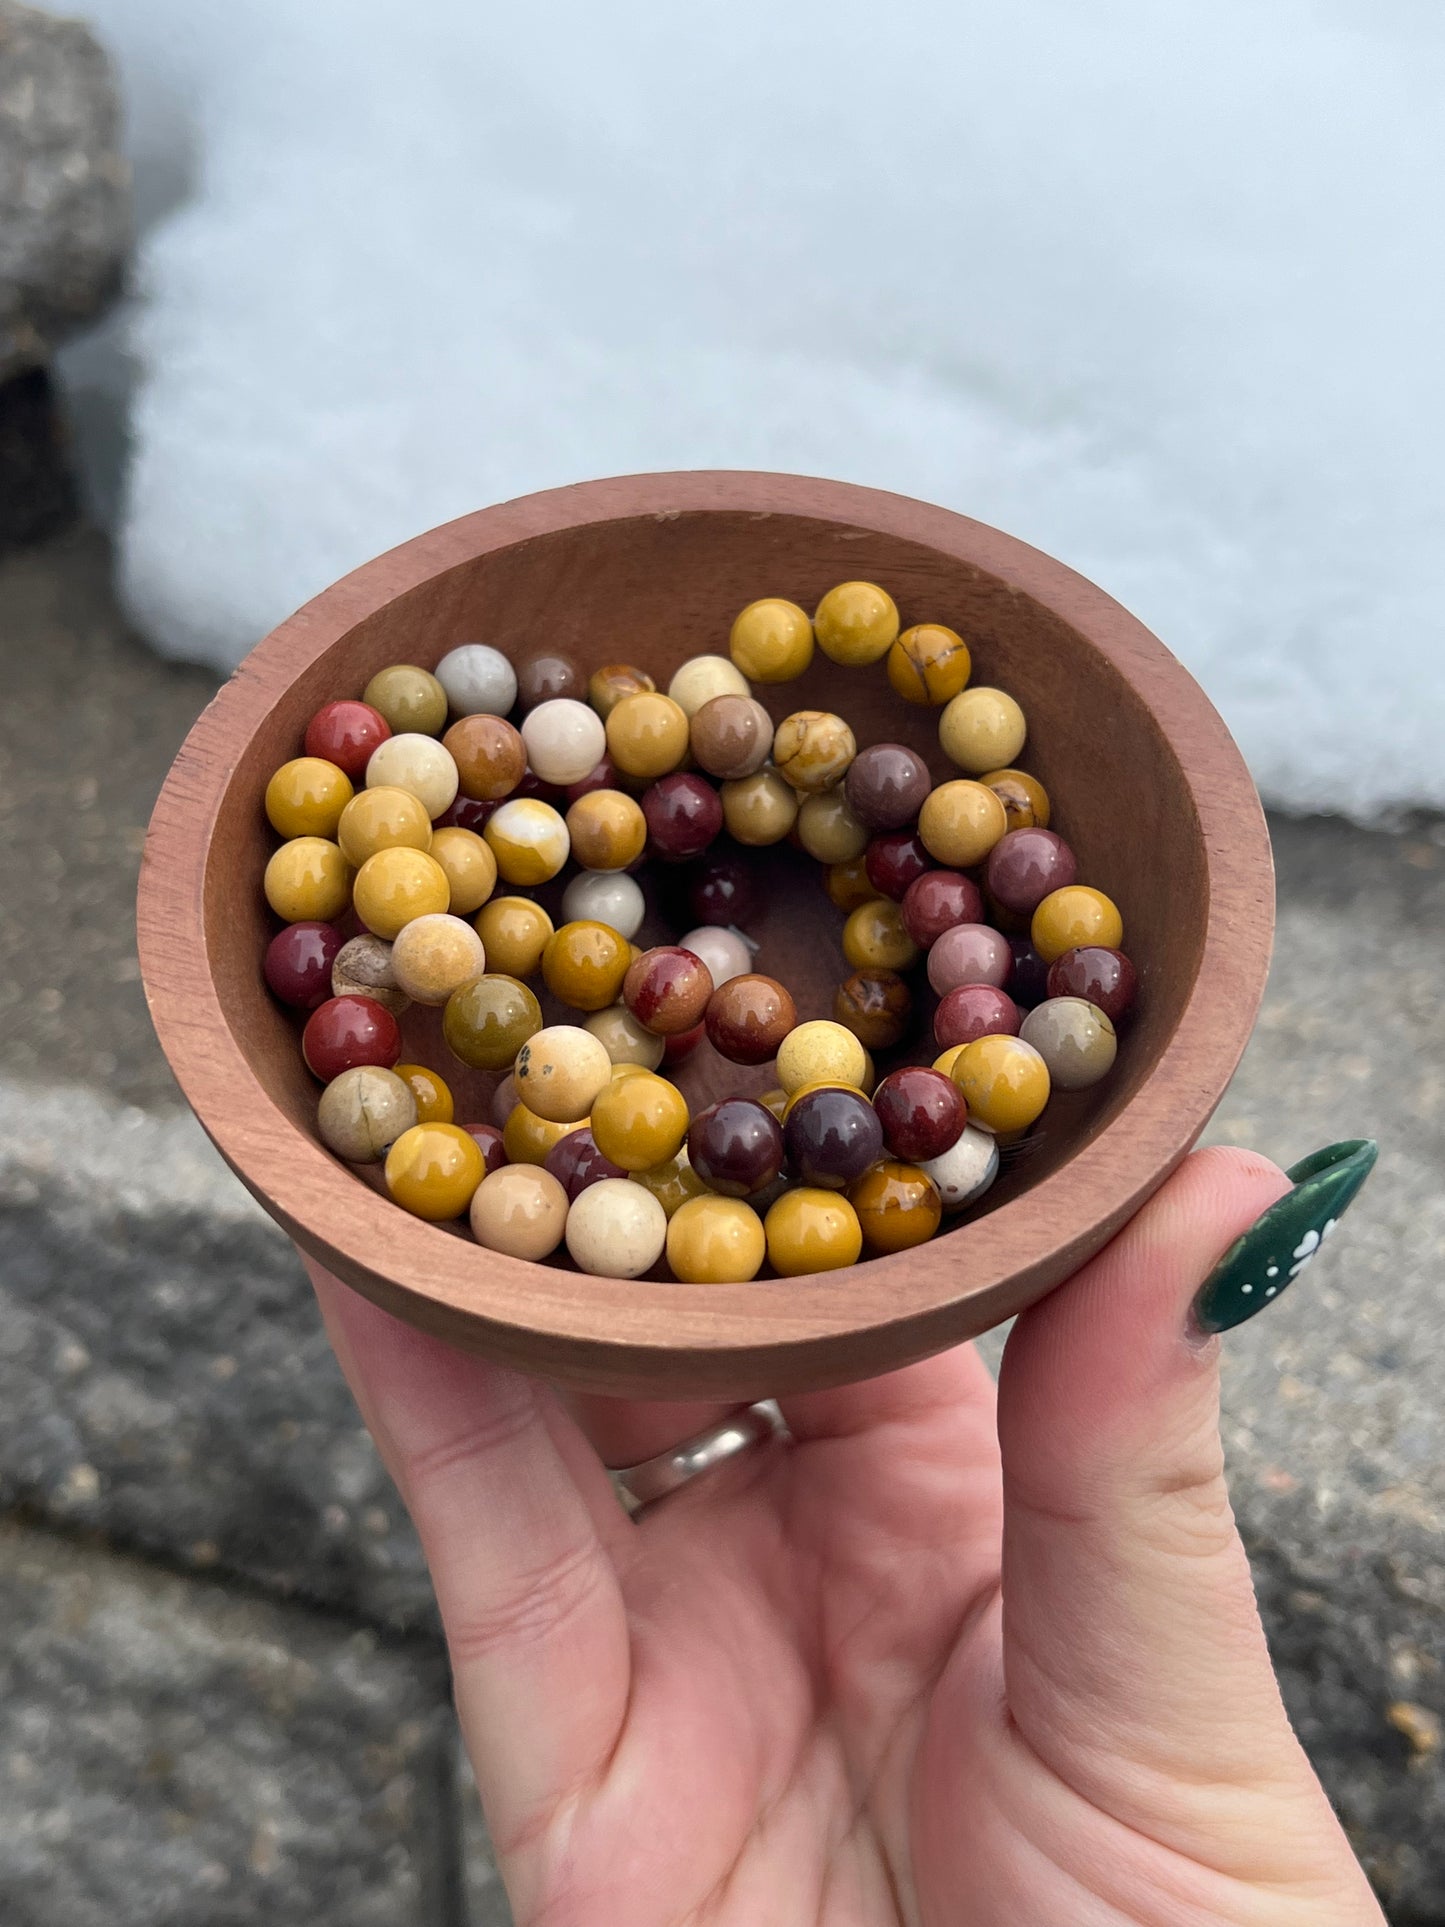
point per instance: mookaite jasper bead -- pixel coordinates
(514, 933)
(529, 840)
(701, 678)
(307, 880)
(363, 969)
(477, 679)
(605, 896)
(575, 1162)
(529, 1139)
(833, 1135)
(672, 1183)
(397, 885)
(1025, 865)
(1075, 918)
(759, 809)
(363, 1112)
(417, 763)
(929, 664)
(640, 1121)
(874, 937)
(1074, 1038)
(347, 1031)
(647, 735)
(875, 1005)
(585, 964)
(548, 678)
(616, 1229)
(623, 1038)
(898, 1206)
(974, 1010)
(817, 1051)
(715, 1241)
(679, 1045)
(827, 828)
(920, 1112)
(887, 785)
(812, 749)
(847, 884)
(435, 955)
(731, 736)
(490, 756)
(488, 1139)
(809, 1230)
(521, 1211)
(487, 1022)
(1004, 1081)
(960, 823)
(748, 1018)
(306, 797)
(771, 640)
(723, 951)
(408, 698)
(938, 900)
(684, 814)
(970, 953)
(736, 1147)
(382, 819)
(856, 623)
(667, 989)
(608, 685)
(433, 1170)
(1105, 977)
(1027, 980)
(1024, 798)
(608, 830)
(895, 861)
(346, 733)
(559, 1072)
(298, 963)
(469, 866)
(430, 1094)
(982, 729)
(965, 1171)
(564, 740)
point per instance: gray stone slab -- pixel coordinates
(171, 1753)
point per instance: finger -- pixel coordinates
(626, 1431)
(520, 1554)
(954, 1386)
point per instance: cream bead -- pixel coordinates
(434, 955)
(565, 740)
(417, 764)
(701, 678)
(605, 896)
(616, 1229)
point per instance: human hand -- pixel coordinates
(942, 1658)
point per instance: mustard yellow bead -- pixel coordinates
(487, 1021)
(810, 1230)
(529, 840)
(527, 1138)
(982, 729)
(409, 698)
(848, 884)
(856, 623)
(608, 830)
(1004, 1081)
(812, 749)
(672, 1182)
(306, 880)
(469, 866)
(715, 1241)
(960, 822)
(433, 1169)
(396, 885)
(306, 797)
(820, 1051)
(647, 735)
(772, 640)
(1071, 917)
(382, 819)
(1024, 798)
(640, 1121)
(432, 1095)
(584, 964)
(929, 664)
(828, 829)
(947, 1059)
(514, 932)
(759, 809)
(874, 937)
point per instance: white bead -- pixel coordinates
(623, 1038)
(703, 677)
(605, 896)
(966, 1170)
(721, 949)
(565, 740)
(616, 1229)
(479, 681)
(418, 764)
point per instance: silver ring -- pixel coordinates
(644, 1484)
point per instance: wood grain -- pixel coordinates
(1146, 784)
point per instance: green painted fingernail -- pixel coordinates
(1274, 1251)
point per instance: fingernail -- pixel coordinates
(1279, 1246)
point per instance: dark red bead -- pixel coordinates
(532, 785)
(667, 990)
(921, 1112)
(938, 900)
(677, 1048)
(887, 786)
(346, 733)
(546, 677)
(1025, 865)
(1105, 977)
(832, 1135)
(298, 963)
(736, 1147)
(895, 861)
(603, 776)
(748, 1018)
(684, 814)
(1028, 978)
(466, 813)
(347, 1031)
(723, 889)
(575, 1162)
(974, 1010)
(489, 1142)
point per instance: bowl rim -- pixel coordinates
(645, 1337)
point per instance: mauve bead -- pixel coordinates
(723, 889)
(832, 1135)
(970, 953)
(298, 963)
(1024, 865)
(938, 900)
(347, 1031)
(575, 1162)
(895, 861)
(1028, 978)
(748, 1018)
(466, 813)
(974, 1010)
(545, 678)
(489, 1142)
(667, 990)
(736, 1147)
(1106, 978)
(887, 786)
(684, 814)
(921, 1113)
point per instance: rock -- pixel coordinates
(64, 185)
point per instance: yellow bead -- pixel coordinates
(856, 623)
(307, 879)
(812, 749)
(982, 729)
(820, 1051)
(514, 932)
(470, 868)
(529, 840)
(433, 1169)
(487, 1021)
(396, 885)
(946, 1061)
(306, 797)
(874, 937)
(960, 822)
(626, 1042)
(898, 1206)
(527, 1138)
(828, 830)
(772, 640)
(775, 1101)
(640, 1121)
(1005, 1082)
(672, 1182)
(1024, 798)
(608, 830)
(409, 698)
(848, 885)
(647, 735)
(382, 819)
(584, 964)
(759, 809)
(811, 1230)
(433, 1098)
(929, 664)
(715, 1241)
(1073, 916)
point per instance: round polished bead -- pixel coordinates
(667, 989)
(929, 664)
(809, 1230)
(920, 1112)
(1075, 918)
(559, 1071)
(608, 685)
(607, 829)
(723, 888)
(936, 901)
(478, 680)
(1004, 1081)
(876, 1006)
(430, 1093)
(397, 885)
(490, 756)
(759, 809)
(363, 969)
(812, 749)
(818, 1050)
(363, 1112)
(433, 1170)
(488, 1140)
(564, 740)
(771, 640)
(647, 735)
(874, 937)
(299, 962)
(965, 1170)
(469, 867)
(969, 953)
(640, 1121)
(701, 678)
(896, 860)
(1105, 977)
(306, 797)
(1027, 980)
(408, 698)
(827, 828)
(898, 1206)
(888, 785)
(434, 955)
(847, 884)
(960, 823)
(946, 1059)
(982, 729)
(1025, 865)
(529, 840)
(307, 880)
(974, 1010)
(731, 735)
(345, 733)
(585, 964)
(465, 813)
(382, 819)
(624, 1039)
(833, 1135)
(514, 932)
(417, 763)
(616, 1229)
(715, 1241)
(1024, 798)
(346, 1031)
(1074, 1038)
(487, 1022)
(856, 623)
(575, 1162)
(549, 678)
(684, 815)
(736, 1146)
(748, 1018)
(672, 1183)
(521, 1211)
(723, 951)
(529, 1139)
(610, 897)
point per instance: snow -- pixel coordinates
(1156, 288)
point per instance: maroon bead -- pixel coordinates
(938, 900)
(887, 786)
(1028, 978)
(748, 1017)
(575, 1162)
(546, 677)
(736, 1147)
(833, 1135)
(969, 953)
(298, 963)
(974, 1010)
(490, 1143)
(921, 1112)
(1105, 977)
(875, 1005)
(1025, 865)
(347, 1031)
(346, 733)
(532, 785)
(667, 990)
(724, 889)
(603, 776)
(465, 813)
(895, 861)
(684, 814)
(677, 1048)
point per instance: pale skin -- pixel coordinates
(950, 1658)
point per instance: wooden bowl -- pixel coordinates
(1146, 785)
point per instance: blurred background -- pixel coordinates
(1158, 289)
